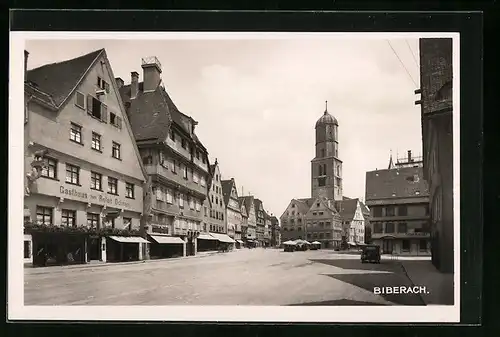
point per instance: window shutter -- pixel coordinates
(89, 104)
(106, 87)
(118, 122)
(104, 113)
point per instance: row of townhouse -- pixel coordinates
(116, 172)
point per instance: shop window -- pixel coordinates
(402, 227)
(75, 133)
(50, 169)
(44, 215)
(389, 227)
(112, 186)
(96, 181)
(72, 174)
(27, 249)
(422, 245)
(96, 141)
(93, 220)
(116, 150)
(68, 218)
(129, 191)
(406, 245)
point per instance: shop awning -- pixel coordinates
(352, 243)
(167, 239)
(129, 239)
(239, 241)
(222, 238)
(206, 237)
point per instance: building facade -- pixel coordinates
(174, 158)
(260, 221)
(354, 219)
(398, 199)
(275, 232)
(233, 212)
(436, 78)
(249, 203)
(244, 220)
(84, 182)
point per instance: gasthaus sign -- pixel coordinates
(95, 198)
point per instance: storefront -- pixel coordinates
(207, 243)
(239, 244)
(225, 242)
(415, 244)
(164, 246)
(51, 248)
(125, 248)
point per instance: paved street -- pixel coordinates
(243, 277)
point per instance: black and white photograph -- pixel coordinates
(236, 177)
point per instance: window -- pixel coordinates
(170, 197)
(127, 223)
(377, 227)
(314, 213)
(204, 159)
(198, 205)
(321, 224)
(115, 152)
(129, 190)
(426, 209)
(96, 181)
(112, 186)
(422, 245)
(195, 178)
(93, 220)
(75, 133)
(320, 170)
(68, 218)
(72, 174)
(389, 227)
(322, 152)
(80, 100)
(390, 211)
(183, 143)
(377, 211)
(197, 154)
(115, 120)
(44, 215)
(27, 249)
(327, 224)
(321, 182)
(402, 210)
(191, 203)
(203, 182)
(185, 172)
(148, 160)
(402, 227)
(172, 136)
(96, 141)
(50, 171)
(406, 246)
(320, 213)
(181, 200)
(97, 109)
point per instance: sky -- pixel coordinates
(257, 102)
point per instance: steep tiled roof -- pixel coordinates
(152, 114)
(58, 80)
(227, 186)
(397, 183)
(347, 208)
(303, 205)
(248, 202)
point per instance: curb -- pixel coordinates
(85, 266)
(413, 284)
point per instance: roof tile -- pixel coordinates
(396, 183)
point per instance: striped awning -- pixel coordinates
(129, 239)
(167, 239)
(206, 237)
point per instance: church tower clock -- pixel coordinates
(326, 167)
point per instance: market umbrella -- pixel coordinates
(316, 243)
(289, 243)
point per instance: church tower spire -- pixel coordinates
(391, 163)
(326, 167)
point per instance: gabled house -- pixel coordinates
(233, 212)
(249, 202)
(353, 213)
(84, 171)
(244, 218)
(174, 158)
(260, 221)
(293, 220)
(324, 223)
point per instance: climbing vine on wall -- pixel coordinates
(30, 227)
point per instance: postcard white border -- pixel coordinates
(336, 314)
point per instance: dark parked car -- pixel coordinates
(370, 253)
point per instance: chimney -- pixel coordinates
(26, 54)
(151, 68)
(134, 84)
(409, 156)
(119, 82)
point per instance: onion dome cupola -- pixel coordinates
(326, 119)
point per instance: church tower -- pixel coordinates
(326, 167)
